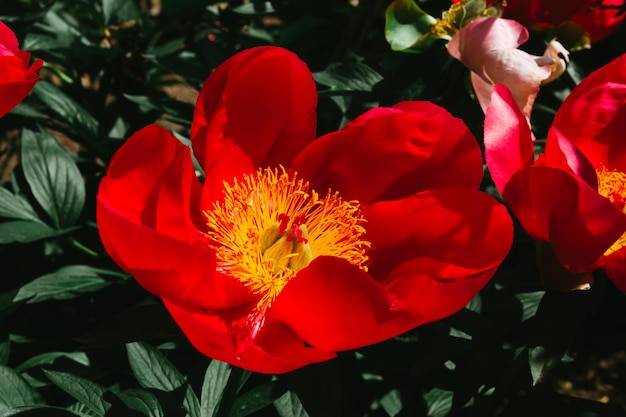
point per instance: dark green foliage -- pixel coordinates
(79, 338)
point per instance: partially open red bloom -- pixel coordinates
(295, 248)
(573, 195)
(16, 77)
(599, 17)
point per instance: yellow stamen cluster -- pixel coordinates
(612, 185)
(270, 224)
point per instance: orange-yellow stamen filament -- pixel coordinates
(612, 185)
(270, 225)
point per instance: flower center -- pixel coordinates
(270, 225)
(612, 185)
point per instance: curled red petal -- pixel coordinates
(592, 116)
(276, 349)
(581, 224)
(144, 214)
(456, 227)
(261, 101)
(386, 153)
(8, 41)
(334, 305)
(16, 80)
(509, 154)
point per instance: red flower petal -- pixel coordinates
(561, 153)
(276, 349)
(581, 224)
(392, 153)
(509, 153)
(466, 231)
(615, 267)
(143, 212)
(8, 41)
(333, 305)
(16, 80)
(592, 116)
(262, 101)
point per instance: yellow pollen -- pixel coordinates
(612, 185)
(270, 225)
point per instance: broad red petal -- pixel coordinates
(276, 348)
(592, 115)
(261, 101)
(561, 153)
(333, 305)
(463, 230)
(509, 153)
(391, 153)
(418, 283)
(581, 225)
(144, 213)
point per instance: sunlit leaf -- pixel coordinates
(26, 231)
(153, 370)
(53, 176)
(81, 121)
(408, 26)
(86, 392)
(66, 283)
(289, 405)
(15, 391)
(215, 379)
(143, 401)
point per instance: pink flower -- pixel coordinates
(488, 47)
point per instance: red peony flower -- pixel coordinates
(295, 248)
(573, 195)
(16, 77)
(598, 17)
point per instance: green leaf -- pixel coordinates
(15, 207)
(530, 303)
(124, 10)
(86, 392)
(5, 352)
(352, 76)
(153, 370)
(391, 402)
(81, 121)
(49, 357)
(53, 176)
(407, 26)
(66, 283)
(256, 399)
(37, 411)
(289, 405)
(143, 401)
(251, 9)
(439, 402)
(15, 391)
(23, 231)
(541, 360)
(215, 379)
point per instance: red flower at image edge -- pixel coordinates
(16, 78)
(599, 18)
(295, 248)
(573, 196)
